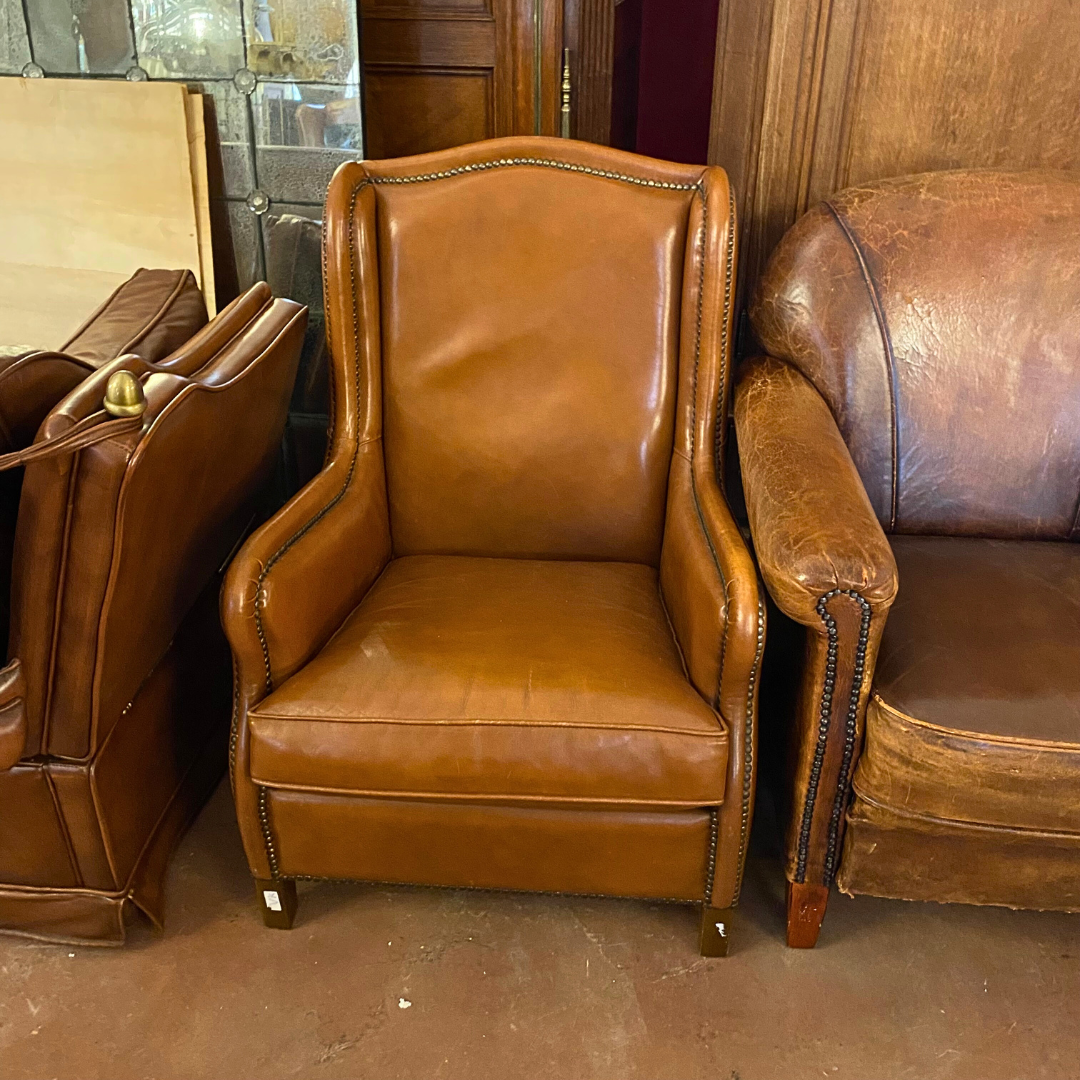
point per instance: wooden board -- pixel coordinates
(200, 186)
(810, 96)
(97, 181)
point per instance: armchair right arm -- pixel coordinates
(828, 566)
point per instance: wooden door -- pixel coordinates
(811, 96)
(438, 73)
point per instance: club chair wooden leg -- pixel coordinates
(715, 930)
(277, 901)
(805, 910)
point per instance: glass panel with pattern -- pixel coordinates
(192, 39)
(14, 48)
(81, 37)
(308, 40)
(303, 132)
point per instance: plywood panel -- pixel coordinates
(96, 182)
(943, 85)
(200, 188)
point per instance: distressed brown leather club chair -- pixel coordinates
(917, 422)
(508, 637)
(115, 702)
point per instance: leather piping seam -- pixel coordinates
(510, 798)
(693, 404)
(748, 756)
(368, 181)
(1044, 746)
(824, 718)
(671, 630)
(729, 274)
(154, 319)
(30, 892)
(890, 358)
(975, 826)
(509, 722)
(331, 427)
(59, 593)
(61, 820)
(234, 726)
(486, 888)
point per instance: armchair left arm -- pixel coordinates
(299, 575)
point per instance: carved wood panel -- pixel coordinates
(811, 96)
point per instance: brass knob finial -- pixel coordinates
(124, 395)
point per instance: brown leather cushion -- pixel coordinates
(152, 313)
(513, 679)
(976, 709)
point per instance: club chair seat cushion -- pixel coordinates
(498, 679)
(978, 680)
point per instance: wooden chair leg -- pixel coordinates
(277, 901)
(805, 910)
(715, 930)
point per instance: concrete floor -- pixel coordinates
(418, 984)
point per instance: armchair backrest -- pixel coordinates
(939, 317)
(511, 319)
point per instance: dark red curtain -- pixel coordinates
(675, 75)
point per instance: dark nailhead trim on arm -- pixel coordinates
(824, 714)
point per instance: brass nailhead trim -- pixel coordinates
(268, 836)
(487, 888)
(544, 163)
(234, 725)
(748, 754)
(710, 869)
(824, 714)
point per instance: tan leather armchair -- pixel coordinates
(917, 423)
(509, 636)
(114, 705)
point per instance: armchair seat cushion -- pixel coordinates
(498, 679)
(975, 716)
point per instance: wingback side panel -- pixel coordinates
(939, 316)
(530, 315)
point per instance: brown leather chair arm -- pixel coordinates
(827, 565)
(299, 575)
(710, 590)
(814, 530)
